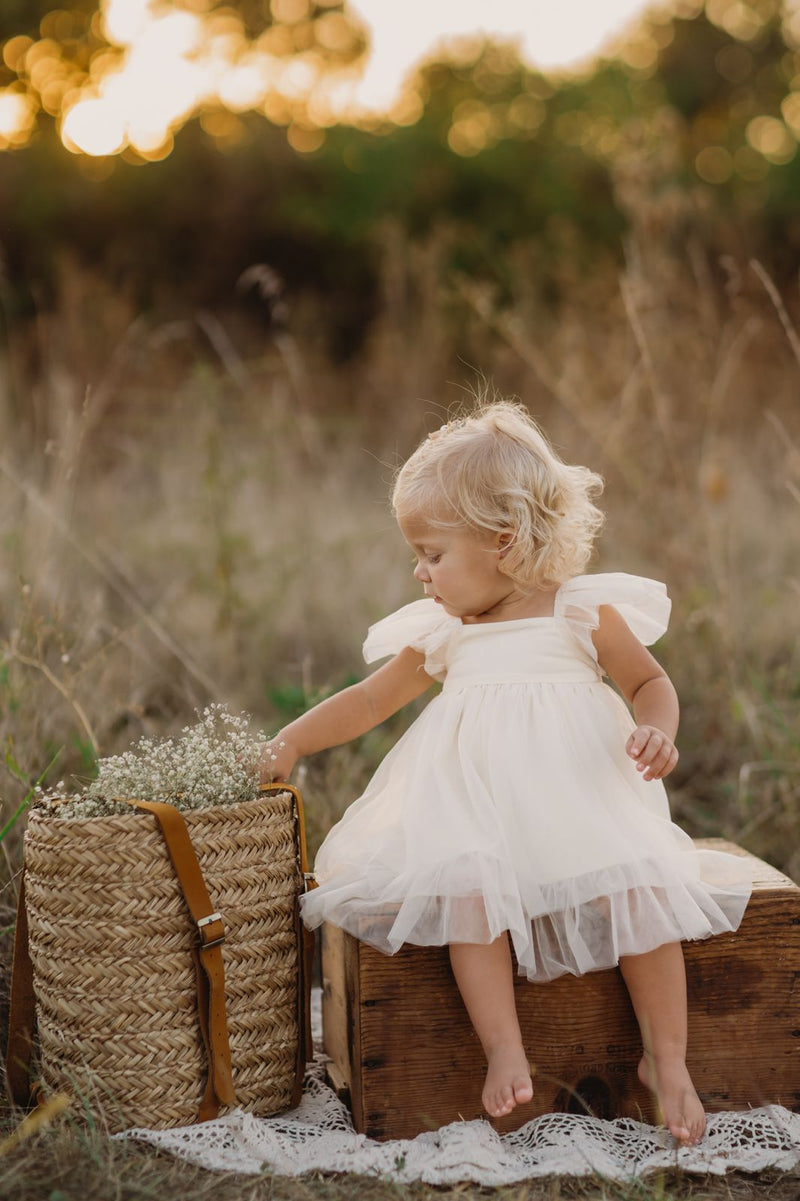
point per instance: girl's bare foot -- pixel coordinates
(508, 1080)
(681, 1109)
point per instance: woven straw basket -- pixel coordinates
(113, 974)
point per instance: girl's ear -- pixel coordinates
(504, 542)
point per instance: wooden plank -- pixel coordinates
(338, 1019)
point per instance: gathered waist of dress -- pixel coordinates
(578, 674)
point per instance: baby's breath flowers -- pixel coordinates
(214, 762)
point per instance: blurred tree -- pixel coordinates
(730, 75)
(94, 67)
(24, 16)
(704, 105)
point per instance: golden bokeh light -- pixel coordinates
(771, 138)
(408, 108)
(93, 127)
(137, 99)
(472, 129)
(277, 109)
(714, 164)
(333, 32)
(526, 112)
(245, 85)
(290, 11)
(790, 108)
(303, 139)
(124, 21)
(163, 62)
(15, 50)
(477, 125)
(17, 118)
(640, 53)
(740, 20)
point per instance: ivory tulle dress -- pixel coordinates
(510, 803)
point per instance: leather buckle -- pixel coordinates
(206, 921)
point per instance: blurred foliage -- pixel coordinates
(698, 114)
(25, 16)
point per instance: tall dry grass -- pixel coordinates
(189, 513)
(183, 522)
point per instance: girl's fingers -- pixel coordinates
(270, 772)
(645, 745)
(669, 763)
(652, 752)
(638, 741)
(662, 763)
(655, 754)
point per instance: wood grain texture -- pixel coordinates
(405, 1056)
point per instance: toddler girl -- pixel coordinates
(524, 806)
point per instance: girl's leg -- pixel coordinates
(657, 986)
(484, 977)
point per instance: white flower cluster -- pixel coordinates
(215, 762)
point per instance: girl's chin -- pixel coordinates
(448, 608)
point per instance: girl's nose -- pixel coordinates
(421, 574)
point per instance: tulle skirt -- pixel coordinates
(514, 807)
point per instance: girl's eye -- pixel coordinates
(434, 558)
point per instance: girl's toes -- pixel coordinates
(692, 1125)
(495, 1105)
(680, 1133)
(696, 1132)
(523, 1090)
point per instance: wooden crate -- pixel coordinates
(404, 1055)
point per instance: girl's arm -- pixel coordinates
(348, 714)
(647, 687)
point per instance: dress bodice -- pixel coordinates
(528, 648)
(524, 651)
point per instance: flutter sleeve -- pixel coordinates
(642, 603)
(421, 625)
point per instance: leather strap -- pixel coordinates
(209, 969)
(22, 1012)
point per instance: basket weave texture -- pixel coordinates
(110, 942)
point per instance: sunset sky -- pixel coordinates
(550, 35)
(165, 62)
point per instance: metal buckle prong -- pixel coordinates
(206, 921)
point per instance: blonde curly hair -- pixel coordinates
(493, 471)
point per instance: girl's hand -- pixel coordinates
(654, 752)
(277, 760)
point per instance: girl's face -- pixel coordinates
(460, 568)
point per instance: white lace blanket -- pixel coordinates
(319, 1136)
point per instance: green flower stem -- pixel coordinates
(28, 796)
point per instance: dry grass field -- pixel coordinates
(190, 512)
